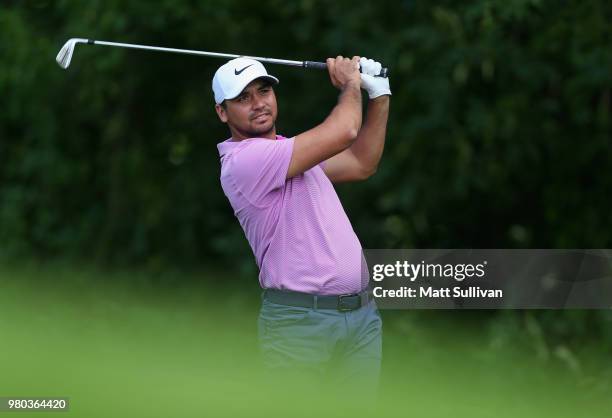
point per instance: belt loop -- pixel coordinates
(315, 305)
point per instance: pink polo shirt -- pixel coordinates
(300, 235)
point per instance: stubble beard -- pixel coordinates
(259, 132)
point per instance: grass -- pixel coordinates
(134, 344)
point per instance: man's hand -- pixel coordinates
(375, 86)
(344, 72)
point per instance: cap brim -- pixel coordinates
(242, 86)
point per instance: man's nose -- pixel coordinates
(257, 102)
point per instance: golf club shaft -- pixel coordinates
(306, 64)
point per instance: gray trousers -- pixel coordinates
(324, 344)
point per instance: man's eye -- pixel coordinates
(242, 99)
(265, 90)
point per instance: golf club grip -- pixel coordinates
(384, 72)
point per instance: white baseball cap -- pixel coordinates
(233, 76)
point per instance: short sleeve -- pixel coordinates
(261, 166)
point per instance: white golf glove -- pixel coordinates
(375, 86)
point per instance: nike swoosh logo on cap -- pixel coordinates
(238, 72)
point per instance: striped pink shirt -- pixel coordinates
(300, 235)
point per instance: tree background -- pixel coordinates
(498, 135)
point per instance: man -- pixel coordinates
(316, 314)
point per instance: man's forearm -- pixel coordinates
(369, 144)
(347, 113)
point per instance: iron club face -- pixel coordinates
(64, 56)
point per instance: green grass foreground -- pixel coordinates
(123, 344)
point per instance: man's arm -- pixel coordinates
(340, 128)
(360, 160)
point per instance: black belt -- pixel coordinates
(343, 303)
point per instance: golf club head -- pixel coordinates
(64, 56)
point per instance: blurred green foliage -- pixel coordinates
(498, 136)
(118, 346)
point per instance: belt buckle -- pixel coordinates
(342, 307)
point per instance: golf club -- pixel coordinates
(65, 54)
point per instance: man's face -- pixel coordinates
(251, 114)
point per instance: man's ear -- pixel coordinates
(221, 113)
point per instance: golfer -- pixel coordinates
(316, 315)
